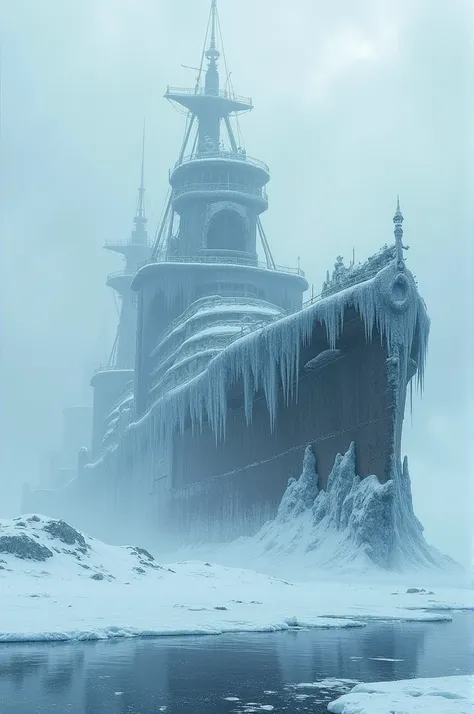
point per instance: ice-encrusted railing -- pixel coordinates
(205, 343)
(209, 302)
(239, 156)
(218, 260)
(343, 277)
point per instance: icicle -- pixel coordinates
(268, 359)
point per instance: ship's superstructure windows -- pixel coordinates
(226, 231)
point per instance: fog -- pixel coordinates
(354, 103)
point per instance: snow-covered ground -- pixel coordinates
(58, 584)
(355, 528)
(443, 695)
(348, 530)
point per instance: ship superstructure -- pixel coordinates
(204, 285)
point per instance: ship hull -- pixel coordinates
(210, 461)
(223, 488)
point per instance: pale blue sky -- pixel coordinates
(354, 103)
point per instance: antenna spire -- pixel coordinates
(212, 53)
(141, 190)
(139, 234)
(398, 232)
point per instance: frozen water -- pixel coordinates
(441, 695)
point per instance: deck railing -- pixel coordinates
(121, 274)
(201, 91)
(112, 368)
(110, 243)
(227, 155)
(221, 186)
(223, 260)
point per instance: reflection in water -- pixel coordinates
(194, 675)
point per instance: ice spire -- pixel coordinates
(398, 232)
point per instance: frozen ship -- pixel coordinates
(221, 375)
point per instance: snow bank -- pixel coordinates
(40, 547)
(442, 695)
(352, 525)
(57, 583)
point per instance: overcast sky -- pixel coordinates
(355, 101)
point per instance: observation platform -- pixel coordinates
(235, 158)
(114, 373)
(120, 280)
(224, 102)
(129, 249)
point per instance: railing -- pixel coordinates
(202, 304)
(223, 260)
(201, 91)
(227, 155)
(334, 288)
(110, 243)
(112, 368)
(121, 274)
(189, 188)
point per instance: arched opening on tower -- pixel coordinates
(226, 231)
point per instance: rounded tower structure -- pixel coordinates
(204, 285)
(217, 193)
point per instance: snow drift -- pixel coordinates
(357, 523)
(57, 583)
(42, 547)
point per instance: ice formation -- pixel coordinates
(268, 359)
(353, 521)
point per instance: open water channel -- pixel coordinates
(227, 673)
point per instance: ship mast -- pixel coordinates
(140, 215)
(134, 250)
(209, 107)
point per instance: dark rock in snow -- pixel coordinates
(97, 576)
(24, 547)
(66, 533)
(142, 551)
(415, 590)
